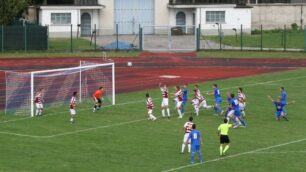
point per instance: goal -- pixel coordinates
(58, 85)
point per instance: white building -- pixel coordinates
(153, 15)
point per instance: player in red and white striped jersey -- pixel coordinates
(72, 106)
(150, 107)
(39, 101)
(179, 100)
(165, 101)
(201, 98)
(242, 101)
(187, 130)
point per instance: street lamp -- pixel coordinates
(235, 30)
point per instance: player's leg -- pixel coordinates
(186, 135)
(284, 115)
(151, 116)
(178, 108)
(183, 107)
(200, 153)
(37, 109)
(41, 107)
(204, 105)
(193, 150)
(225, 149)
(196, 109)
(95, 105)
(221, 145)
(163, 110)
(72, 115)
(99, 104)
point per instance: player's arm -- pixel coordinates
(291, 102)
(219, 129)
(270, 98)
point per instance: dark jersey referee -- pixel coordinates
(224, 139)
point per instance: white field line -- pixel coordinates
(235, 155)
(132, 102)
(281, 152)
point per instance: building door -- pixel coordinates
(85, 24)
(180, 19)
(132, 13)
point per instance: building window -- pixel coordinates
(60, 18)
(215, 16)
(180, 19)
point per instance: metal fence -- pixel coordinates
(152, 38)
(25, 38)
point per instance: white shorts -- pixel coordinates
(242, 106)
(72, 112)
(178, 104)
(39, 105)
(186, 135)
(203, 104)
(231, 113)
(150, 111)
(165, 102)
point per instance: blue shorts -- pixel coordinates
(237, 113)
(278, 114)
(218, 101)
(195, 148)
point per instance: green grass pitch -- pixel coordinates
(120, 139)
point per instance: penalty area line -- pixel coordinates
(235, 155)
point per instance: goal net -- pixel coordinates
(58, 85)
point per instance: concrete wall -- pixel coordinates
(278, 15)
(107, 19)
(161, 13)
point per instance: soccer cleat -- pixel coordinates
(236, 126)
(180, 117)
(94, 110)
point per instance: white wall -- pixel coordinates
(161, 13)
(45, 19)
(234, 17)
(107, 18)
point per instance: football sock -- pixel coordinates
(182, 109)
(192, 157)
(221, 149)
(37, 112)
(189, 147)
(183, 147)
(40, 111)
(201, 156)
(197, 111)
(163, 112)
(225, 149)
(179, 112)
(168, 111)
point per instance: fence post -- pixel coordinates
(95, 37)
(47, 37)
(140, 39)
(25, 38)
(117, 37)
(2, 38)
(285, 38)
(220, 36)
(241, 38)
(199, 38)
(71, 49)
(261, 38)
(304, 38)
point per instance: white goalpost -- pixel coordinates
(58, 85)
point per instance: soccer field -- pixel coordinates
(120, 138)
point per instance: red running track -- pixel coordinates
(147, 69)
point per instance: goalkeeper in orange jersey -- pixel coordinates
(98, 99)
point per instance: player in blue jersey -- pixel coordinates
(229, 107)
(185, 98)
(283, 98)
(235, 113)
(279, 105)
(218, 99)
(196, 141)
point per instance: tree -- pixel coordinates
(9, 9)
